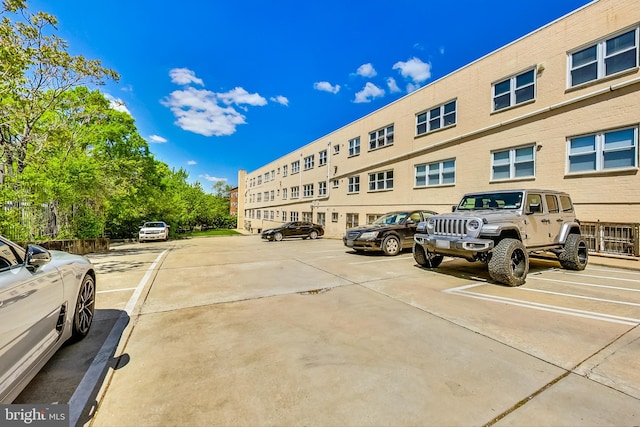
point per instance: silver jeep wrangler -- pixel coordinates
(501, 228)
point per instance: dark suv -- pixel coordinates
(391, 233)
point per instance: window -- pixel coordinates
(266, 176)
(295, 167)
(322, 218)
(308, 162)
(381, 181)
(284, 216)
(565, 204)
(273, 195)
(352, 220)
(334, 216)
(381, 138)
(266, 196)
(284, 194)
(266, 214)
(552, 203)
(336, 149)
(259, 197)
(513, 163)
(258, 214)
(295, 192)
(285, 170)
(604, 58)
(354, 146)
(603, 151)
(294, 216)
(437, 173)
(307, 216)
(307, 190)
(372, 217)
(439, 117)
(354, 184)
(336, 183)
(322, 158)
(322, 188)
(514, 90)
(260, 180)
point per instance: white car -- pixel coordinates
(46, 299)
(156, 230)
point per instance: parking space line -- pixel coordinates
(581, 297)
(464, 291)
(114, 290)
(85, 389)
(567, 273)
(592, 285)
(381, 260)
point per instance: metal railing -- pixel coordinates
(609, 238)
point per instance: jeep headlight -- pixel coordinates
(473, 225)
(431, 224)
(368, 235)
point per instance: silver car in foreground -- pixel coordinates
(46, 299)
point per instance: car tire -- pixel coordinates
(84, 309)
(425, 258)
(391, 245)
(277, 237)
(509, 263)
(313, 235)
(576, 253)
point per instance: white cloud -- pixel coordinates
(213, 178)
(158, 139)
(240, 96)
(326, 87)
(366, 70)
(184, 76)
(414, 69)
(280, 100)
(192, 162)
(368, 93)
(117, 104)
(197, 111)
(412, 87)
(392, 85)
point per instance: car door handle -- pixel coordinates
(559, 220)
(547, 221)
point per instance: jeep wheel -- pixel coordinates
(426, 258)
(575, 255)
(509, 263)
(391, 245)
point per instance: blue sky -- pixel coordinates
(217, 86)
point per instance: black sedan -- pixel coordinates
(294, 229)
(391, 233)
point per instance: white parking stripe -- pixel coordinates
(566, 273)
(463, 291)
(85, 389)
(381, 260)
(581, 297)
(592, 285)
(115, 290)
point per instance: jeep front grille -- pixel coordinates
(451, 226)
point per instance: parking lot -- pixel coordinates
(240, 331)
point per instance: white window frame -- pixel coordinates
(437, 118)
(284, 216)
(514, 89)
(600, 151)
(353, 220)
(307, 190)
(285, 170)
(259, 179)
(295, 167)
(381, 138)
(284, 194)
(322, 188)
(354, 147)
(293, 216)
(295, 192)
(435, 174)
(322, 158)
(601, 58)
(334, 216)
(354, 184)
(381, 181)
(513, 163)
(336, 149)
(335, 183)
(309, 162)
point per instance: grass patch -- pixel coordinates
(214, 232)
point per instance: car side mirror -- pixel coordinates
(534, 207)
(453, 208)
(37, 256)
(409, 222)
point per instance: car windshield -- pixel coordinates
(391, 218)
(154, 224)
(494, 201)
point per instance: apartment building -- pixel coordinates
(558, 108)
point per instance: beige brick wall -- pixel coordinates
(556, 114)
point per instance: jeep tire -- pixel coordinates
(425, 258)
(509, 263)
(576, 254)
